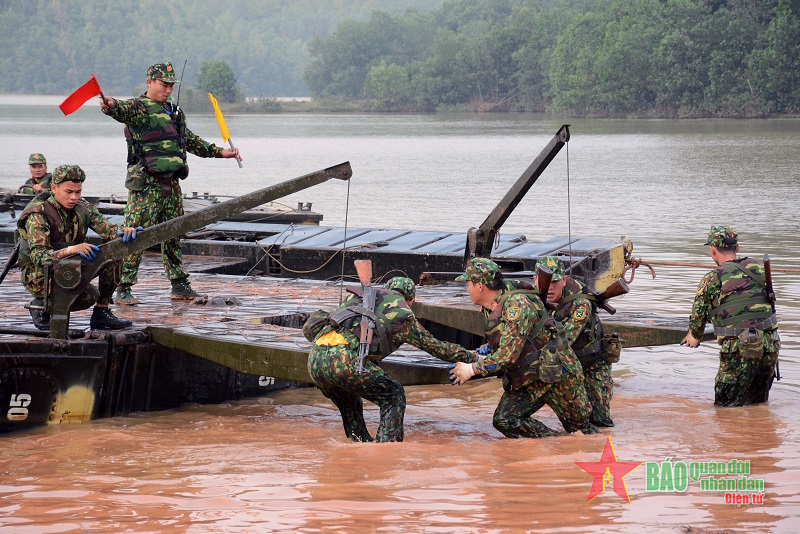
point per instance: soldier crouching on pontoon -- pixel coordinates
(54, 226)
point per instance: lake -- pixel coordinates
(281, 463)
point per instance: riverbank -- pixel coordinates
(260, 105)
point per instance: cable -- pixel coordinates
(569, 215)
(344, 243)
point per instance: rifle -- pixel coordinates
(544, 277)
(617, 288)
(364, 270)
(11, 262)
(767, 277)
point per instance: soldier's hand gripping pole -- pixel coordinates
(364, 270)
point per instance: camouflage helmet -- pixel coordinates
(480, 270)
(68, 173)
(163, 72)
(722, 236)
(404, 286)
(33, 159)
(555, 266)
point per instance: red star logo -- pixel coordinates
(607, 468)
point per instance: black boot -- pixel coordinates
(103, 319)
(41, 318)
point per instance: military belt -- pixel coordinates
(591, 352)
(733, 331)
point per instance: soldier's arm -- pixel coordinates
(709, 287)
(37, 233)
(201, 148)
(131, 112)
(27, 188)
(577, 320)
(416, 334)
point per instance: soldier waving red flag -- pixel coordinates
(80, 96)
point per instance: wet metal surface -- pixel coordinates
(261, 334)
(315, 252)
(239, 336)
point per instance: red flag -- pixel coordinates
(80, 96)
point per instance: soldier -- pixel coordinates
(158, 140)
(576, 313)
(40, 178)
(54, 226)
(332, 363)
(734, 298)
(536, 363)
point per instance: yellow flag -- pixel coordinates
(223, 129)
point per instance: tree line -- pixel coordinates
(53, 46)
(599, 58)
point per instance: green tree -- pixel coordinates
(573, 74)
(443, 78)
(774, 68)
(540, 28)
(217, 77)
(389, 86)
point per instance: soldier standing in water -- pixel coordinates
(736, 298)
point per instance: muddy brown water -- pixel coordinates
(281, 463)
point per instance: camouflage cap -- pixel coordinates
(163, 72)
(721, 236)
(68, 173)
(555, 266)
(480, 270)
(33, 159)
(404, 286)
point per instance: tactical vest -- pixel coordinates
(525, 367)
(40, 204)
(742, 301)
(588, 346)
(390, 316)
(159, 147)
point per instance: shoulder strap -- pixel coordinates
(753, 276)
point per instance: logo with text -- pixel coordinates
(739, 489)
(608, 470)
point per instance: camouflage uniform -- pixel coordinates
(734, 301)
(44, 219)
(158, 141)
(332, 364)
(577, 315)
(44, 181)
(519, 329)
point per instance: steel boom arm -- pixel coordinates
(481, 239)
